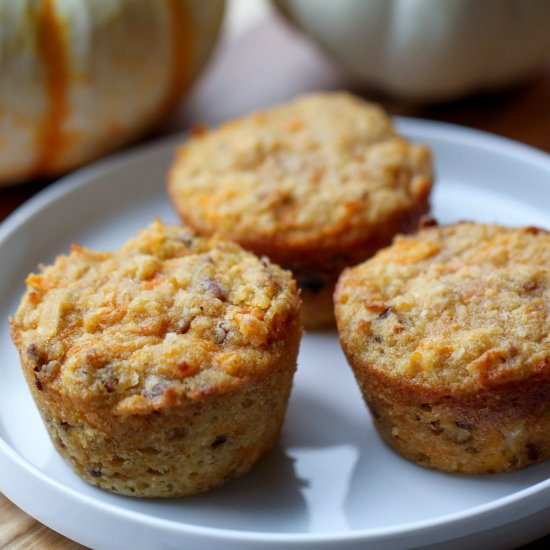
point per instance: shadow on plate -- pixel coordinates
(265, 499)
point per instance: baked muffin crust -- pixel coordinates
(316, 184)
(448, 333)
(156, 352)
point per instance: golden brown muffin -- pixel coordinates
(448, 334)
(316, 184)
(164, 368)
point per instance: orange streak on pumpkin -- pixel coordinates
(52, 51)
(181, 33)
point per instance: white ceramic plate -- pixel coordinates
(330, 483)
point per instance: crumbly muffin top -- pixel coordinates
(325, 168)
(168, 315)
(462, 307)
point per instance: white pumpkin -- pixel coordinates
(79, 78)
(429, 49)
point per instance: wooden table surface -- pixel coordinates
(268, 64)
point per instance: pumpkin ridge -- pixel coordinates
(181, 33)
(52, 51)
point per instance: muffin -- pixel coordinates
(164, 368)
(316, 184)
(448, 334)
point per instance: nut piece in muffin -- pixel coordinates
(164, 368)
(448, 334)
(316, 184)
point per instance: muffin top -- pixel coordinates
(458, 308)
(169, 315)
(325, 170)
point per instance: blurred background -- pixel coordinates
(138, 69)
(132, 71)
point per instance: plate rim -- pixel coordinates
(430, 128)
(420, 128)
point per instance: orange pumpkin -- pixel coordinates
(81, 78)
